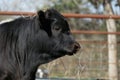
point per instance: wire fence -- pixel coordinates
(91, 61)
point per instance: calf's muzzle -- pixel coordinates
(76, 47)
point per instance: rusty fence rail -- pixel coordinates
(94, 32)
(68, 15)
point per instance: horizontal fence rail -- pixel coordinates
(93, 32)
(97, 16)
(95, 42)
(17, 13)
(68, 15)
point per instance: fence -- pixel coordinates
(91, 61)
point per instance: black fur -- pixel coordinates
(26, 43)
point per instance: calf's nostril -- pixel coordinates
(77, 46)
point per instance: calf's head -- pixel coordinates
(58, 32)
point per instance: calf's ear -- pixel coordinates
(45, 23)
(41, 17)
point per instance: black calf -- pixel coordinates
(26, 43)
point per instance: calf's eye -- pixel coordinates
(57, 28)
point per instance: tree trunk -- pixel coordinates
(112, 43)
